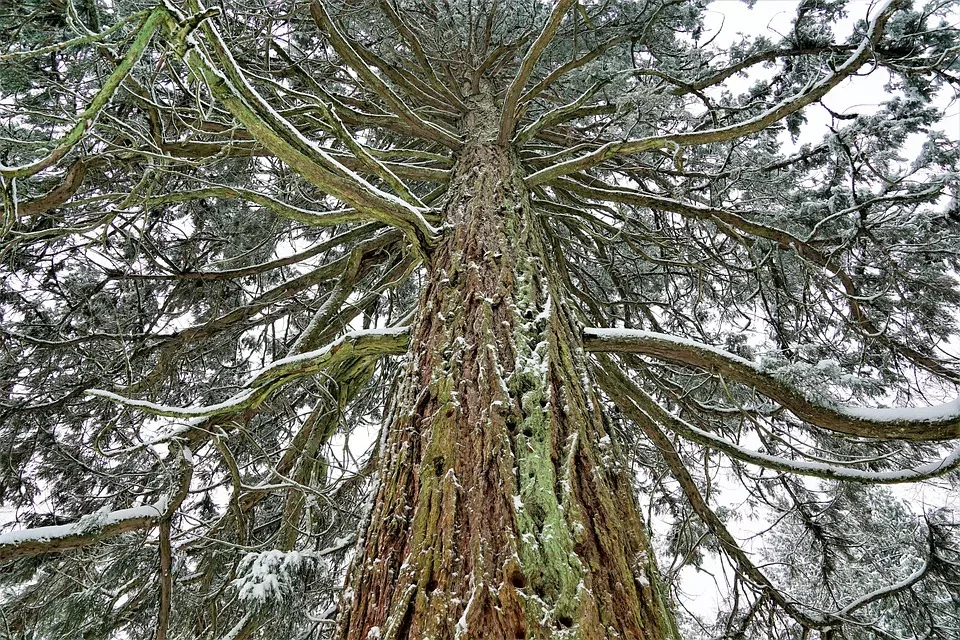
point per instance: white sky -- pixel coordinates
(772, 18)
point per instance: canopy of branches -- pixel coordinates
(215, 223)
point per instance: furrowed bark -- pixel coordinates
(501, 511)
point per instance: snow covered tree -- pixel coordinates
(413, 318)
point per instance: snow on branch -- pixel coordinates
(378, 86)
(727, 220)
(362, 342)
(364, 156)
(830, 471)
(808, 95)
(922, 424)
(508, 118)
(85, 531)
(368, 342)
(554, 116)
(895, 588)
(230, 86)
(153, 21)
(621, 391)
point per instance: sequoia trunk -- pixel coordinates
(501, 511)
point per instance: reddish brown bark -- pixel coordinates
(501, 510)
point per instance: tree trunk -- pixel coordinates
(502, 511)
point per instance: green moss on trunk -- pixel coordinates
(496, 515)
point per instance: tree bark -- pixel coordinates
(502, 510)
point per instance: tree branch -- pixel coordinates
(830, 471)
(729, 220)
(282, 138)
(258, 388)
(154, 21)
(352, 58)
(508, 117)
(612, 381)
(82, 533)
(789, 106)
(921, 424)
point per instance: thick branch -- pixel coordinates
(830, 471)
(729, 220)
(82, 533)
(282, 138)
(72, 181)
(922, 424)
(508, 118)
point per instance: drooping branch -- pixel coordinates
(895, 588)
(620, 389)
(282, 209)
(175, 346)
(612, 381)
(816, 468)
(103, 524)
(256, 269)
(921, 424)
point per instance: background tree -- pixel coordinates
(219, 222)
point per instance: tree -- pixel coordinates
(547, 249)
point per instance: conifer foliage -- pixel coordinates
(473, 318)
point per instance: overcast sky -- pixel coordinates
(773, 18)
